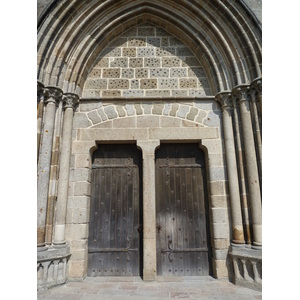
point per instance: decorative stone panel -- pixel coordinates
(146, 61)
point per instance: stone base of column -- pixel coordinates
(247, 267)
(52, 267)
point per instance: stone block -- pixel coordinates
(220, 254)
(124, 122)
(118, 84)
(219, 215)
(128, 73)
(106, 124)
(102, 63)
(178, 72)
(153, 41)
(143, 52)
(220, 243)
(217, 173)
(149, 254)
(169, 122)
(133, 93)
(102, 114)
(111, 73)
(77, 269)
(129, 52)
(77, 231)
(121, 111)
(111, 112)
(111, 52)
(79, 216)
(82, 189)
(151, 62)
(146, 31)
(217, 187)
(220, 268)
(196, 72)
(91, 94)
(220, 230)
(167, 109)
(158, 93)
(165, 42)
(82, 147)
(88, 106)
(171, 62)
(186, 123)
(79, 255)
(184, 51)
(182, 111)
(82, 174)
(157, 108)
(79, 202)
(135, 62)
(148, 83)
(147, 108)
(138, 109)
(206, 104)
(174, 109)
(201, 116)
(95, 73)
(121, 62)
(130, 109)
(94, 117)
(82, 160)
(179, 93)
(175, 42)
(187, 83)
(148, 121)
(213, 119)
(215, 160)
(78, 245)
(165, 51)
(113, 134)
(218, 201)
(213, 146)
(141, 73)
(192, 113)
(190, 62)
(93, 84)
(134, 84)
(111, 93)
(168, 83)
(197, 93)
(81, 121)
(159, 72)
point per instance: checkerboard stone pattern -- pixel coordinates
(146, 61)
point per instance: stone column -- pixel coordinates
(241, 169)
(149, 213)
(53, 95)
(224, 99)
(251, 164)
(40, 110)
(257, 129)
(70, 100)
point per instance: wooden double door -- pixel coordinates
(182, 237)
(115, 229)
(115, 232)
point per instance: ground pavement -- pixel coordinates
(107, 288)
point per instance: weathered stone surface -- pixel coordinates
(81, 121)
(148, 121)
(124, 122)
(213, 119)
(94, 117)
(88, 106)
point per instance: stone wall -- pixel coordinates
(146, 61)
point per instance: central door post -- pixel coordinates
(149, 218)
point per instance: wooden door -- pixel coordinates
(114, 244)
(181, 213)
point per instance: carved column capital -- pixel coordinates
(224, 98)
(241, 92)
(70, 100)
(40, 91)
(256, 84)
(53, 94)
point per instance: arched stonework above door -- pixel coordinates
(146, 61)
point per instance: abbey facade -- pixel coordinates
(149, 140)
